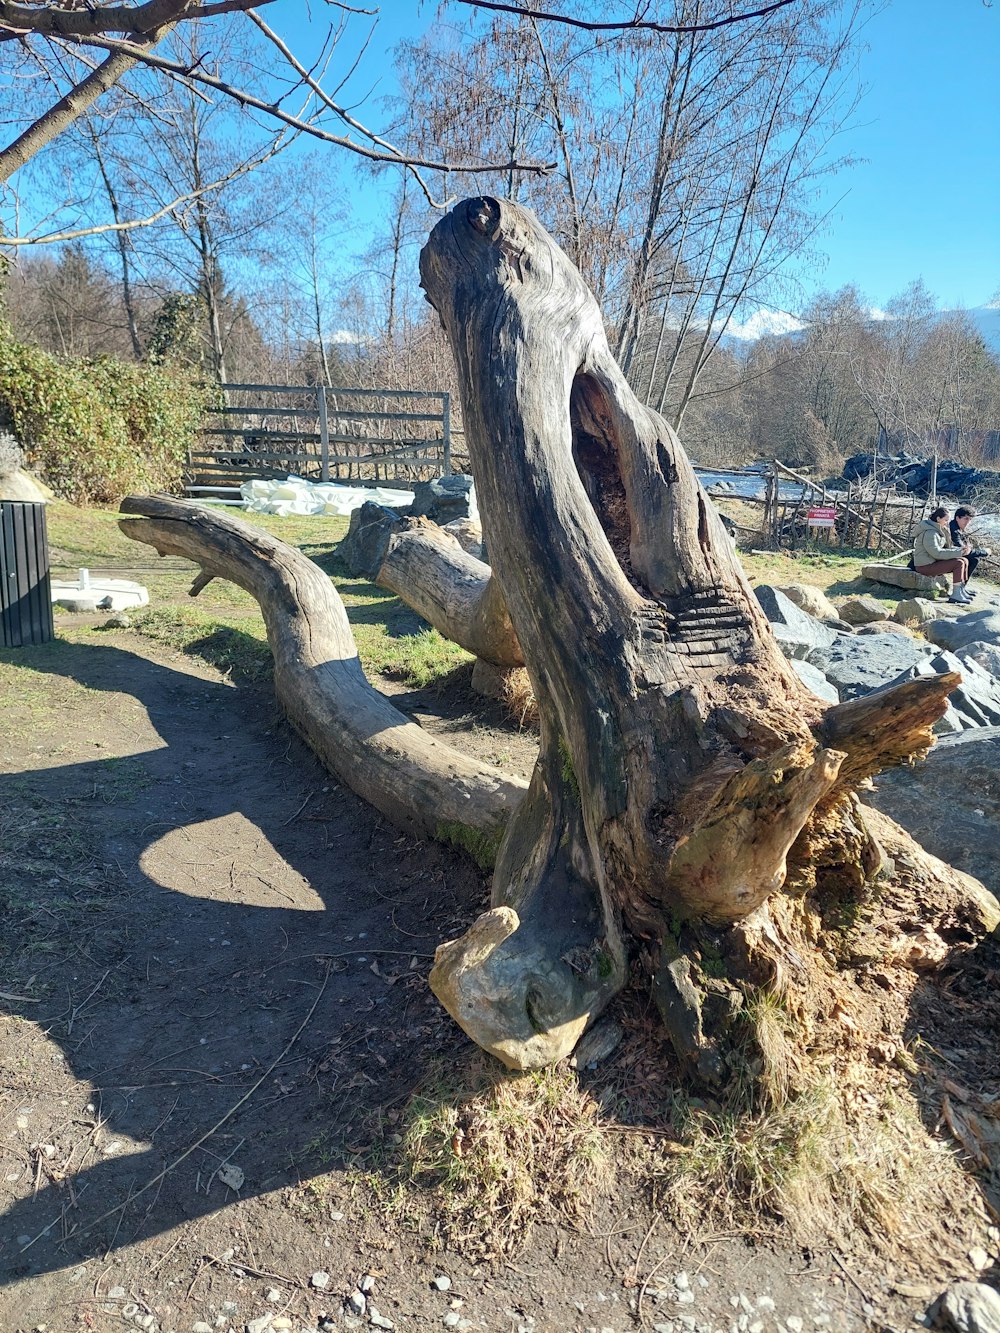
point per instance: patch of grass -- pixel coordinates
(483, 1155)
(224, 626)
(829, 1161)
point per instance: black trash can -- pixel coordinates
(25, 588)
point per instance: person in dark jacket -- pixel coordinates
(964, 514)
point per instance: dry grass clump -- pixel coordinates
(831, 1162)
(519, 698)
(492, 1153)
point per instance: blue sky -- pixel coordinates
(922, 199)
(925, 199)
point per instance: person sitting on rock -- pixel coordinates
(964, 515)
(933, 553)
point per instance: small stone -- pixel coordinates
(273, 1295)
(229, 1308)
(794, 1323)
(282, 1322)
(26, 1240)
(978, 1258)
(199, 1327)
(116, 1294)
(320, 1280)
(451, 1319)
(356, 1303)
(379, 1320)
(765, 1303)
(367, 1284)
(441, 1282)
(685, 1298)
(146, 1320)
(336, 1217)
(131, 1310)
(681, 1281)
(261, 1324)
(663, 1328)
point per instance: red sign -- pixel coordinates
(822, 516)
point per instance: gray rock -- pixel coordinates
(986, 655)
(969, 1307)
(898, 576)
(117, 1294)
(798, 634)
(885, 627)
(598, 1043)
(356, 1303)
(445, 499)
(951, 802)
(364, 547)
(915, 611)
(202, 1327)
(813, 679)
(857, 664)
(813, 601)
(441, 1282)
(367, 1284)
(379, 1320)
(974, 703)
(320, 1280)
(976, 627)
(469, 535)
(861, 610)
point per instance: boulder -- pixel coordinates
(813, 601)
(915, 611)
(950, 802)
(861, 610)
(24, 487)
(445, 499)
(986, 655)
(363, 549)
(898, 576)
(798, 634)
(856, 664)
(814, 679)
(974, 703)
(885, 627)
(469, 534)
(968, 1307)
(976, 627)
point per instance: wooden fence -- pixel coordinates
(866, 516)
(370, 437)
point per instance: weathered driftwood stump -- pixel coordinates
(693, 805)
(686, 778)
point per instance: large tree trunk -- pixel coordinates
(685, 774)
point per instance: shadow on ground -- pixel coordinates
(230, 951)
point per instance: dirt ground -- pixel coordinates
(218, 1007)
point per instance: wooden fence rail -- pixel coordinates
(384, 437)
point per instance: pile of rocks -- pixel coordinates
(950, 803)
(914, 474)
(448, 501)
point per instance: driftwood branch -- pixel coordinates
(452, 590)
(419, 783)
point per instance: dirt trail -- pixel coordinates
(217, 945)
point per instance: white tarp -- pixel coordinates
(295, 495)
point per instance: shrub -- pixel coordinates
(96, 430)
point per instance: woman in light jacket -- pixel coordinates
(933, 553)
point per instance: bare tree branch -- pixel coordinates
(247, 99)
(68, 109)
(92, 20)
(626, 25)
(103, 228)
